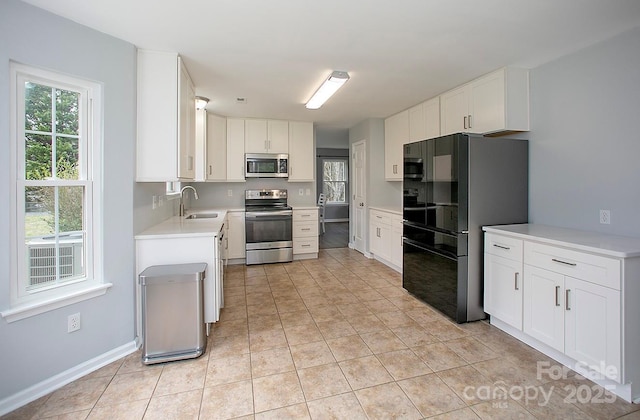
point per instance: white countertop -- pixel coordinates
(600, 243)
(179, 227)
(304, 207)
(387, 210)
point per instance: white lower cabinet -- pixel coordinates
(305, 233)
(573, 301)
(235, 235)
(385, 237)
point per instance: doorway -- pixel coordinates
(333, 181)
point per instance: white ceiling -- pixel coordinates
(275, 53)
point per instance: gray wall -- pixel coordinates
(584, 146)
(380, 193)
(39, 347)
(332, 139)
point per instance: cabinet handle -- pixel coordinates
(305, 215)
(557, 298)
(469, 121)
(209, 169)
(566, 299)
(501, 247)
(305, 229)
(306, 245)
(379, 217)
(515, 280)
(464, 121)
(563, 262)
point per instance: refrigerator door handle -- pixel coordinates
(429, 249)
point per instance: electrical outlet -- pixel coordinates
(154, 203)
(229, 193)
(73, 322)
(605, 217)
(301, 191)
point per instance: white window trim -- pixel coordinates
(36, 303)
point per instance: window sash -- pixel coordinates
(341, 183)
(89, 170)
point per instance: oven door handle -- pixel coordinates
(257, 214)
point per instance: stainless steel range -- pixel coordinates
(268, 227)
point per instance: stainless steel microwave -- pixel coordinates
(266, 165)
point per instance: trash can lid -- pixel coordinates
(195, 271)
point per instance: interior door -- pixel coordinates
(359, 196)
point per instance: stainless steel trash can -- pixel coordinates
(173, 324)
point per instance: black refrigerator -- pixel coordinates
(454, 185)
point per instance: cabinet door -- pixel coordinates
(396, 241)
(543, 306)
(255, 136)
(592, 325)
(301, 152)
(487, 103)
(235, 149)
(431, 111)
(236, 239)
(417, 124)
(186, 124)
(454, 110)
(503, 286)
(277, 136)
(216, 164)
(396, 133)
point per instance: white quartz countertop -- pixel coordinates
(179, 227)
(304, 207)
(594, 242)
(387, 210)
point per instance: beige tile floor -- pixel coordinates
(335, 337)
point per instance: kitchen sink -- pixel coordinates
(202, 216)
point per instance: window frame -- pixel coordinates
(346, 181)
(24, 303)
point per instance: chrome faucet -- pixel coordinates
(195, 194)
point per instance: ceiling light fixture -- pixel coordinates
(201, 102)
(328, 88)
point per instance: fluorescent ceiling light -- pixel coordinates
(201, 102)
(328, 88)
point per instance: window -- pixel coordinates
(334, 180)
(56, 132)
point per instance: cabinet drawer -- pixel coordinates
(303, 246)
(305, 229)
(592, 268)
(503, 246)
(380, 217)
(305, 215)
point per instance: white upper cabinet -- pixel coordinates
(165, 119)
(301, 152)
(424, 120)
(216, 168)
(235, 149)
(496, 102)
(266, 136)
(396, 133)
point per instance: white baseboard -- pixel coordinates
(43, 388)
